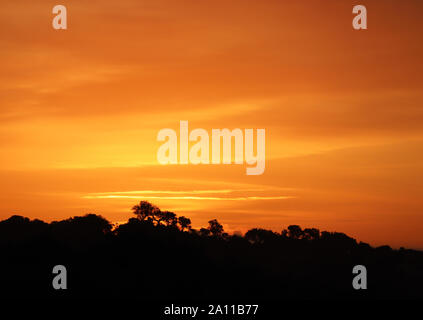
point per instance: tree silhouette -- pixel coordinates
(169, 218)
(158, 216)
(184, 223)
(145, 210)
(311, 233)
(295, 232)
(260, 236)
(215, 228)
(159, 259)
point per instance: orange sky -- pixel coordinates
(343, 111)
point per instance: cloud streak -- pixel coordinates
(184, 195)
(188, 198)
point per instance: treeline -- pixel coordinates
(157, 255)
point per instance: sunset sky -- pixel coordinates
(80, 110)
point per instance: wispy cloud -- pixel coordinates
(175, 192)
(188, 197)
(185, 195)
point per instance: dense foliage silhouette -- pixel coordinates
(157, 255)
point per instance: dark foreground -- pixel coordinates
(163, 260)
